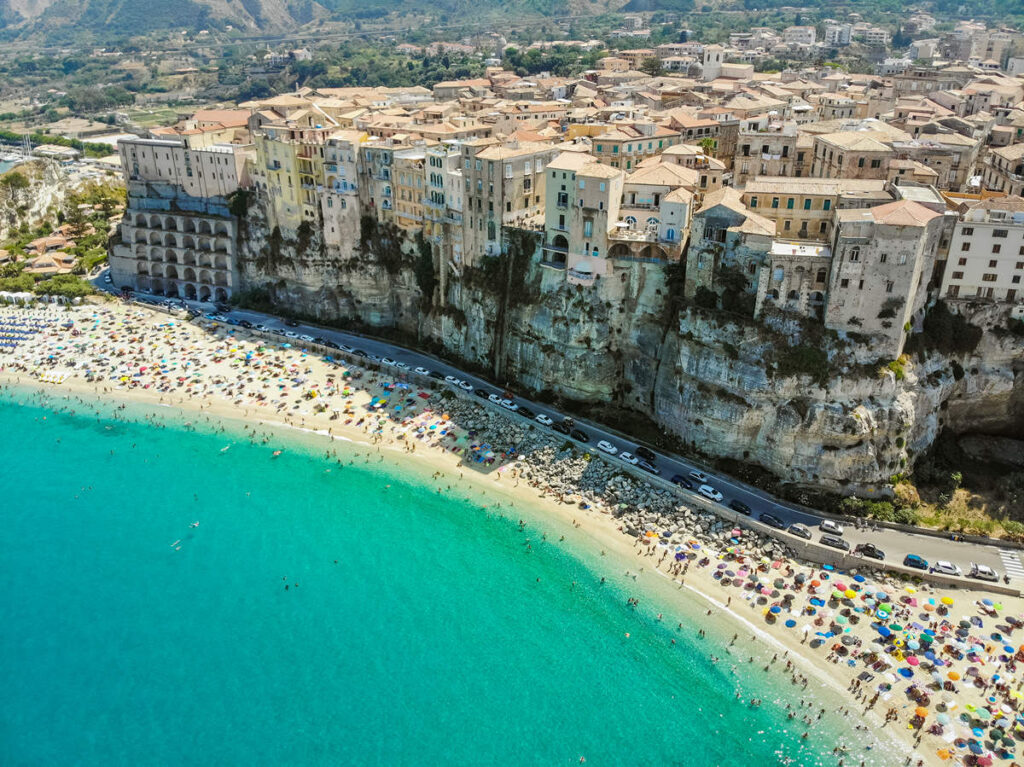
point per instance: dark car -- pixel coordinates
(772, 521)
(233, 321)
(291, 323)
(869, 550)
(835, 542)
(245, 324)
(645, 453)
(482, 393)
(562, 427)
(332, 345)
(526, 412)
(739, 506)
(918, 563)
(579, 435)
(358, 353)
(432, 373)
(679, 479)
(800, 531)
(320, 340)
(222, 307)
(649, 467)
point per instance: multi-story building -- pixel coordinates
(882, 260)
(850, 155)
(805, 208)
(178, 236)
(504, 185)
(1004, 170)
(408, 175)
(626, 146)
(442, 203)
(770, 152)
(799, 35)
(838, 35)
(986, 252)
(289, 170)
(339, 202)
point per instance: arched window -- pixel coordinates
(631, 220)
(772, 295)
(670, 235)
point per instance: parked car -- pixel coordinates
(434, 374)
(709, 492)
(230, 320)
(482, 393)
(699, 476)
(649, 467)
(346, 348)
(332, 345)
(983, 572)
(579, 435)
(562, 427)
(772, 521)
(525, 412)
(494, 398)
(913, 560)
(830, 526)
(421, 371)
(869, 550)
(835, 542)
(646, 453)
(291, 334)
(800, 531)
(629, 458)
(681, 481)
(387, 361)
(359, 353)
(607, 447)
(946, 568)
(543, 420)
(452, 380)
(465, 386)
(402, 365)
(263, 328)
(320, 340)
(739, 506)
(373, 358)
(509, 405)
(291, 323)
(307, 338)
(245, 324)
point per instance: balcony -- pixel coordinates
(331, 167)
(556, 248)
(633, 235)
(576, 277)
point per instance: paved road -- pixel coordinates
(895, 544)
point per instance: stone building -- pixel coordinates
(804, 208)
(882, 260)
(1004, 170)
(850, 155)
(178, 236)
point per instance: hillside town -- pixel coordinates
(853, 200)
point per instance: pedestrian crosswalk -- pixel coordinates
(1012, 564)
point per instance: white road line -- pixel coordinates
(1012, 563)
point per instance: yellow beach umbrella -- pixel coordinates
(947, 600)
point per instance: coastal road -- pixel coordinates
(895, 544)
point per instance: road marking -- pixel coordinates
(1012, 563)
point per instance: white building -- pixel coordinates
(799, 35)
(838, 34)
(986, 252)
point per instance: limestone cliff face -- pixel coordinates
(713, 383)
(30, 204)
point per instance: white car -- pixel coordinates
(607, 447)
(629, 458)
(422, 371)
(452, 380)
(983, 572)
(700, 476)
(509, 405)
(494, 398)
(373, 358)
(307, 339)
(465, 386)
(543, 419)
(828, 526)
(709, 492)
(346, 349)
(402, 365)
(290, 334)
(387, 361)
(946, 568)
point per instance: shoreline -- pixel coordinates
(597, 525)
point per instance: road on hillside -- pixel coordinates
(895, 544)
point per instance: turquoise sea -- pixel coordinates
(343, 617)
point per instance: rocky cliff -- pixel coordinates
(33, 202)
(785, 395)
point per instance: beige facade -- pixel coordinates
(805, 208)
(850, 155)
(1004, 170)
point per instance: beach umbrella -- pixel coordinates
(921, 711)
(859, 578)
(775, 610)
(942, 718)
(975, 748)
(906, 673)
(913, 660)
(790, 623)
(947, 600)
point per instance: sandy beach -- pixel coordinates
(932, 673)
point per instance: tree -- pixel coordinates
(652, 66)
(707, 145)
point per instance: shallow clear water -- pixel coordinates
(414, 630)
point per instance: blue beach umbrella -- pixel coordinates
(790, 623)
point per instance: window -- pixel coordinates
(1020, 265)
(826, 205)
(807, 204)
(965, 246)
(753, 202)
(988, 277)
(785, 226)
(961, 262)
(601, 186)
(588, 228)
(876, 163)
(889, 285)
(855, 253)
(967, 231)
(993, 264)
(583, 184)
(844, 283)
(860, 162)
(860, 285)
(790, 203)
(883, 258)
(823, 228)
(1015, 279)
(775, 202)
(996, 248)
(958, 275)
(615, 150)
(999, 232)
